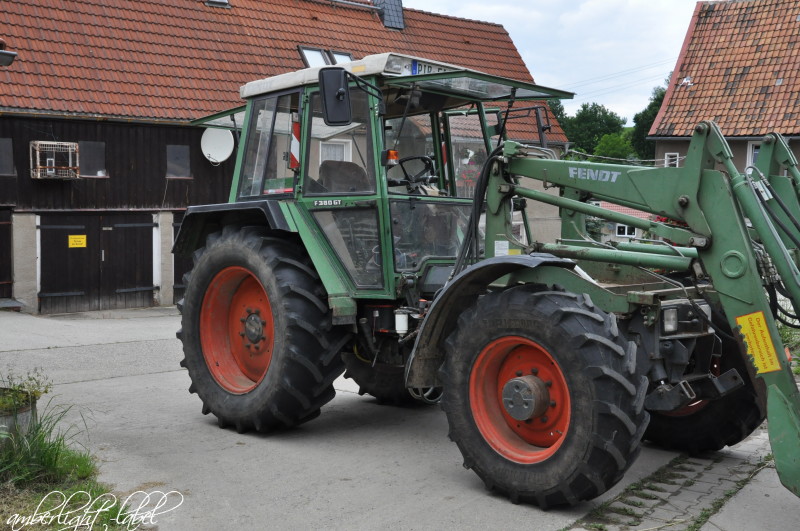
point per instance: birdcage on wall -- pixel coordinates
(54, 160)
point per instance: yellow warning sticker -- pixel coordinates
(76, 240)
(759, 343)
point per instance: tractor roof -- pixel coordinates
(397, 69)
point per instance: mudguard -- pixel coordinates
(457, 295)
(200, 221)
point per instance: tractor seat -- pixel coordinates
(342, 176)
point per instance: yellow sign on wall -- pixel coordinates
(76, 240)
(759, 343)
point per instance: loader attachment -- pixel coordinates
(738, 236)
(784, 434)
(775, 221)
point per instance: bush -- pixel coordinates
(17, 392)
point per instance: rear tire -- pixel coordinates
(383, 381)
(256, 329)
(594, 418)
(710, 425)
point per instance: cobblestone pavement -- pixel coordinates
(684, 493)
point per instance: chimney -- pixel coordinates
(391, 13)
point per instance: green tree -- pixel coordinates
(557, 108)
(642, 121)
(616, 146)
(589, 124)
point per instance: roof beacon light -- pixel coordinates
(390, 157)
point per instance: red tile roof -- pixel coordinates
(625, 210)
(181, 60)
(739, 66)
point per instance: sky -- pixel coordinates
(611, 52)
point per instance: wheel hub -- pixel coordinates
(254, 327)
(525, 397)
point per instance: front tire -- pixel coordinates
(256, 329)
(710, 425)
(543, 396)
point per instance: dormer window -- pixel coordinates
(341, 57)
(318, 57)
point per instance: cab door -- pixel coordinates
(340, 192)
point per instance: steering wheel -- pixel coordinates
(410, 180)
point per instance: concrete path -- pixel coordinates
(358, 466)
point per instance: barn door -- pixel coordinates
(5, 254)
(126, 260)
(70, 273)
(95, 261)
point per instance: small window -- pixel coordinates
(341, 57)
(178, 162)
(626, 230)
(318, 57)
(671, 160)
(752, 152)
(6, 157)
(93, 159)
(337, 150)
(314, 57)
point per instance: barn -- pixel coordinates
(100, 152)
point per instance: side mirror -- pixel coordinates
(335, 94)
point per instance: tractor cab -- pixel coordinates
(380, 158)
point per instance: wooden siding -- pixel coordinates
(135, 156)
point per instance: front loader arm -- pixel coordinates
(714, 205)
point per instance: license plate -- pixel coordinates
(421, 67)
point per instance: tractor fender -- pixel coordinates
(458, 294)
(200, 221)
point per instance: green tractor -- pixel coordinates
(377, 227)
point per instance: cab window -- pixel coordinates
(468, 149)
(340, 160)
(412, 137)
(268, 166)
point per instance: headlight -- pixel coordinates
(670, 320)
(682, 317)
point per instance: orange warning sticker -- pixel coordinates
(759, 343)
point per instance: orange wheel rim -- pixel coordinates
(237, 331)
(524, 441)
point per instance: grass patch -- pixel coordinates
(624, 511)
(42, 453)
(645, 495)
(45, 465)
(632, 503)
(653, 487)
